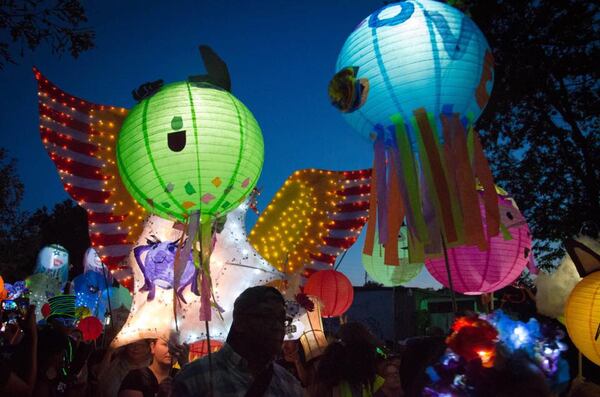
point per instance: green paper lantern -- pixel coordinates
(190, 147)
(391, 276)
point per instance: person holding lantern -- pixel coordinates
(244, 366)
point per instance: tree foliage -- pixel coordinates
(29, 23)
(540, 128)
(23, 234)
(66, 225)
(11, 191)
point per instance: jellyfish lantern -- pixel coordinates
(413, 77)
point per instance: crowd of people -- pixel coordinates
(53, 360)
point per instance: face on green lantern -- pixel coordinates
(190, 147)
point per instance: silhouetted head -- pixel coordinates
(259, 320)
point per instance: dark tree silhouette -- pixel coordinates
(29, 23)
(11, 191)
(66, 225)
(540, 128)
(22, 235)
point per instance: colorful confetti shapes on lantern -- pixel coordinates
(174, 144)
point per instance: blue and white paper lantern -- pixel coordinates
(418, 54)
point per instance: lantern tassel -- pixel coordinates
(464, 179)
(435, 187)
(380, 165)
(435, 180)
(395, 216)
(205, 238)
(184, 248)
(371, 224)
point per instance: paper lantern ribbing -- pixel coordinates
(417, 54)
(582, 313)
(313, 339)
(474, 271)
(413, 77)
(333, 289)
(190, 147)
(391, 276)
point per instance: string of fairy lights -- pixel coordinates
(74, 158)
(300, 218)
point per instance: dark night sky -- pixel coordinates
(281, 55)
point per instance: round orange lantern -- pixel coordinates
(333, 289)
(3, 292)
(582, 311)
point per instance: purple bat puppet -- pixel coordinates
(158, 265)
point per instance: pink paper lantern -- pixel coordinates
(333, 289)
(475, 272)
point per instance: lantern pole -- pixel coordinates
(202, 254)
(340, 261)
(112, 326)
(453, 296)
(210, 367)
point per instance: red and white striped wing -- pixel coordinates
(79, 137)
(352, 212)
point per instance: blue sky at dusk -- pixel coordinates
(281, 56)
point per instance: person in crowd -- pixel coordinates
(582, 388)
(418, 354)
(348, 366)
(244, 365)
(392, 385)
(292, 360)
(52, 349)
(11, 335)
(514, 375)
(116, 364)
(155, 380)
